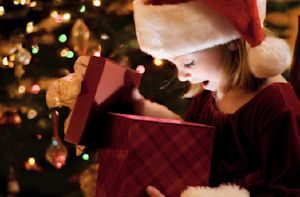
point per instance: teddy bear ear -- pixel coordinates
(270, 58)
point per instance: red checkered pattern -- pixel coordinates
(167, 155)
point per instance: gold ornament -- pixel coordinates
(57, 153)
(80, 35)
(13, 187)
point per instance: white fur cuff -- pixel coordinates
(221, 191)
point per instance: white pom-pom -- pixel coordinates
(270, 58)
(221, 191)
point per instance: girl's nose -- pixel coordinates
(183, 76)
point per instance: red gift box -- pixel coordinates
(106, 87)
(141, 151)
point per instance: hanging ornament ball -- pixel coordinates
(57, 153)
(13, 187)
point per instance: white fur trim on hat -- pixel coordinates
(270, 58)
(221, 191)
(165, 31)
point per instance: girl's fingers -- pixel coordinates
(153, 192)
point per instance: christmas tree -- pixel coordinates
(39, 42)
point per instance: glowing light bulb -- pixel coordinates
(97, 54)
(158, 62)
(5, 61)
(17, 119)
(54, 142)
(54, 14)
(96, 3)
(67, 17)
(22, 2)
(29, 27)
(35, 49)
(82, 8)
(31, 114)
(85, 156)
(35, 89)
(39, 136)
(62, 38)
(64, 52)
(21, 89)
(31, 161)
(11, 64)
(58, 165)
(70, 54)
(2, 11)
(33, 4)
(140, 69)
(16, 2)
(104, 36)
(12, 57)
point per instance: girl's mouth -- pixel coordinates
(204, 83)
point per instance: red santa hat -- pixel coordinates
(170, 28)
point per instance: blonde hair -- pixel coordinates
(236, 71)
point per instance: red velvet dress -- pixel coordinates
(257, 147)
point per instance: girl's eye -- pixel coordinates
(189, 65)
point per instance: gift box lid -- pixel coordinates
(106, 87)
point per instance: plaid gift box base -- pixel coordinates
(167, 154)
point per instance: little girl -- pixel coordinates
(254, 109)
(221, 45)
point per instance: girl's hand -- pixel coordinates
(153, 192)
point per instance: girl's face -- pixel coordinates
(201, 67)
